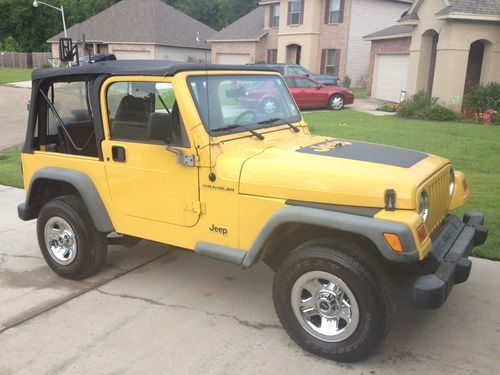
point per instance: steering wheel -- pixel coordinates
(243, 114)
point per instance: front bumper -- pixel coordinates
(349, 99)
(448, 259)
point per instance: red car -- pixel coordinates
(309, 93)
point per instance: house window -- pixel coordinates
(330, 59)
(274, 20)
(334, 11)
(272, 56)
(295, 12)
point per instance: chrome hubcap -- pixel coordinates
(337, 103)
(60, 240)
(269, 106)
(324, 306)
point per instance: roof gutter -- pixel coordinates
(391, 36)
(237, 40)
(208, 48)
(409, 22)
(468, 16)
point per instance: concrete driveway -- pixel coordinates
(156, 309)
(13, 114)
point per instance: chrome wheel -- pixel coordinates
(337, 102)
(60, 240)
(325, 306)
(269, 106)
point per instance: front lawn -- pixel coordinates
(473, 149)
(10, 168)
(8, 75)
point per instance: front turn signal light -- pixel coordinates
(465, 185)
(394, 242)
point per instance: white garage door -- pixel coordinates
(390, 77)
(132, 55)
(233, 58)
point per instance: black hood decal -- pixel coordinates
(368, 152)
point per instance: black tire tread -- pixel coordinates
(94, 255)
(352, 257)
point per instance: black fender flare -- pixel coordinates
(82, 184)
(369, 227)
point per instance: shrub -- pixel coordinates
(347, 82)
(481, 99)
(389, 107)
(422, 106)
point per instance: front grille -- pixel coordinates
(439, 200)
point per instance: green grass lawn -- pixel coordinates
(473, 149)
(10, 168)
(8, 75)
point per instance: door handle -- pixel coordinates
(118, 153)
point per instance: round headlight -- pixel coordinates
(452, 182)
(423, 205)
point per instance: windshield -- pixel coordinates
(298, 71)
(249, 100)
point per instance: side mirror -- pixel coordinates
(307, 75)
(160, 127)
(319, 87)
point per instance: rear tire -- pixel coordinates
(334, 300)
(68, 239)
(336, 102)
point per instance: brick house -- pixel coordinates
(443, 47)
(142, 29)
(325, 36)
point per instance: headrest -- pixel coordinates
(157, 126)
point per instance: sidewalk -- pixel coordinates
(155, 309)
(369, 106)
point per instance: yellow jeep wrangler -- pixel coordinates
(219, 160)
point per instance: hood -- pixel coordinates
(337, 171)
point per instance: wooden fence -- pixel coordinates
(24, 60)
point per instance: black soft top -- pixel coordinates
(138, 67)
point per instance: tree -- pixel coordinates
(10, 44)
(31, 27)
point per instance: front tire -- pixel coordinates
(334, 300)
(336, 102)
(68, 239)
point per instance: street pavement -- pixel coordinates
(13, 115)
(157, 309)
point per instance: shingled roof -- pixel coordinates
(142, 21)
(396, 31)
(248, 28)
(485, 7)
(488, 9)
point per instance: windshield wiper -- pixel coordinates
(236, 126)
(271, 120)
